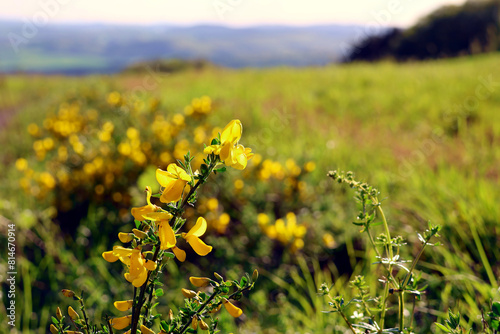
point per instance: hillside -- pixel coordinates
(81, 49)
(449, 31)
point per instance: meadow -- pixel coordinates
(77, 153)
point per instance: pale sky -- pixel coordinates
(223, 12)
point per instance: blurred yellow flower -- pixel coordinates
(21, 164)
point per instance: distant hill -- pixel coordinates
(82, 49)
(450, 31)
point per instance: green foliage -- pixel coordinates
(403, 127)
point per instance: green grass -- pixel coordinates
(402, 127)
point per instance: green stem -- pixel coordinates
(87, 329)
(140, 302)
(347, 322)
(373, 242)
(401, 298)
(198, 312)
(390, 254)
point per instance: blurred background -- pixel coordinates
(95, 96)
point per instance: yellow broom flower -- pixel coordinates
(123, 305)
(145, 330)
(199, 281)
(192, 237)
(122, 322)
(231, 309)
(174, 179)
(72, 313)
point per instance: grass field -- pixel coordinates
(426, 134)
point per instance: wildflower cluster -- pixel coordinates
(287, 231)
(158, 237)
(84, 152)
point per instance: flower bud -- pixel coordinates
(231, 309)
(194, 323)
(59, 313)
(125, 237)
(219, 277)
(255, 275)
(203, 325)
(199, 281)
(188, 293)
(68, 293)
(72, 313)
(53, 329)
(170, 315)
(140, 234)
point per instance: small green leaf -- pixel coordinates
(169, 255)
(496, 308)
(55, 321)
(204, 169)
(442, 327)
(495, 324)
(158, 292)
(243, 281)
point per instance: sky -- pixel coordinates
(236, 13)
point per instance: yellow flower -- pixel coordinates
(203, 325)
(122, 322)
(72, 313)
(53, 329)
(123, 305)
(68, 293)
(192, 237)
(138, 269)
(240, 157)
(139, 213)
(174, 180)
(179, 254)
(145, 330)
(134, 259)
(188, 293)
(166, 234)
(58, 313)
(199, 281)
(232, 153)
(125, 237)
(231, 309)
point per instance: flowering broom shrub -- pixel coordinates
(156, 239)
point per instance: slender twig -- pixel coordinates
(198, 312)
(87, 327)
(110, 328)
(208, 302)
